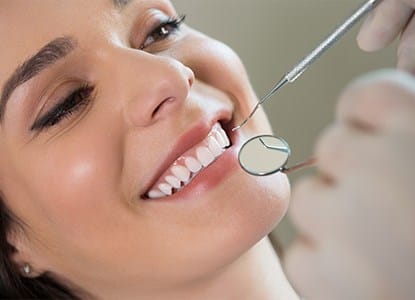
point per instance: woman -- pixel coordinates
(117, 178)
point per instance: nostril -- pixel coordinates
(162, 106)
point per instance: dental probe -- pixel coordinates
(299, 69)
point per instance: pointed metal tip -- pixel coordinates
(279, 85)
(248, 118)
(240, 125)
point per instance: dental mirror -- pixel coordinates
(264, 155)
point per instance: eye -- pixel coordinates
(163, 31)
(76, 99)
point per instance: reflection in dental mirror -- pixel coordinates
(264, 155)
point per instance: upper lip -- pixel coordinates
(194, 135)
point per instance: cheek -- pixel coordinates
(74, 181)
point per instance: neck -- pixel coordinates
(255, 275)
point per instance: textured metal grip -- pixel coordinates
(331, 40)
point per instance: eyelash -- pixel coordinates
(71, 104)
(164, 30)
(82, 95)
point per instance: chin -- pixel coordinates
(252, 207)
(259, 205)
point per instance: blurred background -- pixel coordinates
(271, 36)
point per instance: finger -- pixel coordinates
(321, 210)
(333, 270)
(381, 101)
(384, 24)
(406, 49)
(311, 209)
(301, 264)
(340, 149)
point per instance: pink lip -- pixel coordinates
(192, 137)
(212, 176)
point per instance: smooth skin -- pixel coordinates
(78, 186)
(392, 19)
(356, 216)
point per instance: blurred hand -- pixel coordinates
(357, 216)
(388, 21)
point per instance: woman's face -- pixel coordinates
(103, 107)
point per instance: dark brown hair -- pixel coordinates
(15, 286)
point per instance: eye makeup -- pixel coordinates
(65, 108)
(81, 96)
(163, 30)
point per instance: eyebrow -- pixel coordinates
(44, 58)
(120, 4)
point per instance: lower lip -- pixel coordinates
(210, 177)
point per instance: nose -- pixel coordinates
(154, 87)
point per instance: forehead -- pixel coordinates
(26, 26)
(26, 22)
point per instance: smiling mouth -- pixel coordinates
(190, 164)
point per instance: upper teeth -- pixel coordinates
(185, 168)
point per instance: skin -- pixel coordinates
(78, 185)
(357, 214)
(390, 20)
